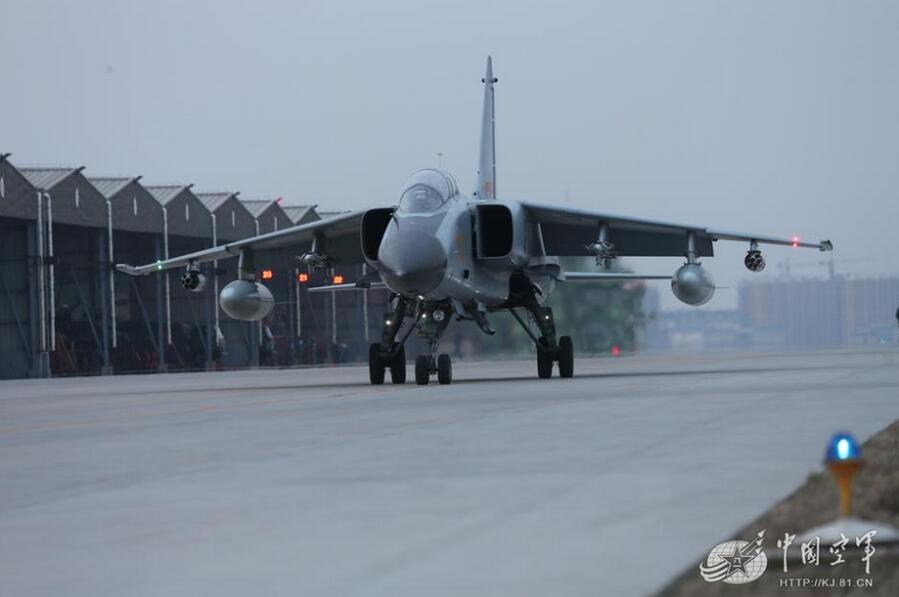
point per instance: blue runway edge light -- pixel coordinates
(843, 446)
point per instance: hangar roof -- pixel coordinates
(17, 195)
(233, 220)
(76, 201)
(257, 206)
(213, 201)
(297, 212)
(109, 186)
(269, 214)
(45, 179)
(165, 193)
(186, 215)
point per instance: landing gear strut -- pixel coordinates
(549, 349)
(390, 353)
(432, 321)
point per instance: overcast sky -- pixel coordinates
(772, 117)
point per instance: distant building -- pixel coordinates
(788, 313)
(784, 313)
(65, 310)
(820, 313)
(869, 309)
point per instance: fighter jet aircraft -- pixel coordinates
(444, 255)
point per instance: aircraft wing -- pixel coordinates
(370, 281)
(568, 231)
(609, 277)
(341, 234)
(347, 286)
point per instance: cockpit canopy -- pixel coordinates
(427, 191)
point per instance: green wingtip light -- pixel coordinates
(159, 265)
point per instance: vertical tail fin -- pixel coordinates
(486, 181)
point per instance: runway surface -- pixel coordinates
(311, 482)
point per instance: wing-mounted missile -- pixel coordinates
(317, 256)
(370, 281)
(602, 249)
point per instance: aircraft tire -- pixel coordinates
(566, 357)
(375, 365)
(544, 364)
(444, 369)
(422, 370)
(398, 366)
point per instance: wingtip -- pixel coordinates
(127, 269)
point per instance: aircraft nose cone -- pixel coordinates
(412, 262)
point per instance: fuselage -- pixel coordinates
(429, 248)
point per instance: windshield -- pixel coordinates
(426, 191)
(421, 199)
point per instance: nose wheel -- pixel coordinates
(444, 369)
(398, 366)
(432, 319)
(422, 369)
(425, 367)
(544, 363)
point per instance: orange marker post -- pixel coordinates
(844, 459)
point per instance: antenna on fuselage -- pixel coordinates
(486, 179)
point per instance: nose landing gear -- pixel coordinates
(432, 323)
(425, 366)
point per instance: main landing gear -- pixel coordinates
(390, 353)
(549, 350)
(379, 362)
(430, 322)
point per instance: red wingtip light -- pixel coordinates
(302, 278)
(795, 241)
(267, 274)
(616, 351)
(338, 279)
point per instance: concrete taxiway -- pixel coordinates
(311, 482)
